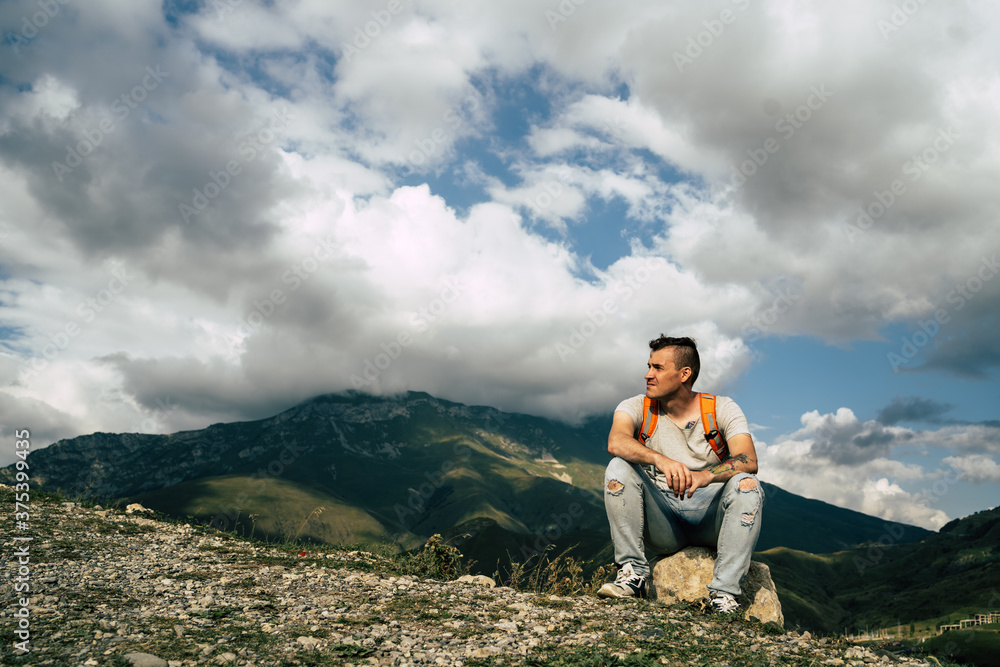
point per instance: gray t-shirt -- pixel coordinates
(688, 445)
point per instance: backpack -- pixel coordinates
(651, 413)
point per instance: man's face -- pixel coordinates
(664, 379)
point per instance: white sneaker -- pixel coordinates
(626, 584)
(724, 603)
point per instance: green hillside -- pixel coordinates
(818, 527)
(976, 646)
(283, 511)
(942, 578)
(802, 582)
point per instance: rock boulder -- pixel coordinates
(477, 579)
(686, 575)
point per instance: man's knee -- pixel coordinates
(618, 472)
(745, 482)
(748, 498)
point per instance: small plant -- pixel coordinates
(316, 512)
(515, 576)
(437, 560)
(601, 576)
(562, 575)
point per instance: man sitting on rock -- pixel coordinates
(674, 490)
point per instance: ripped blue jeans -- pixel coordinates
(724, 517)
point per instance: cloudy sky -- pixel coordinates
(210, 211)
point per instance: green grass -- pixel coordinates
(280, 511)
(350, 651)
(972, 645)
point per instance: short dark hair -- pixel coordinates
(685, 352)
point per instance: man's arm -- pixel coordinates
(742, 458)
(622, 443)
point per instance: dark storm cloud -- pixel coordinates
(44, 423)
(867, 442)
(912, 409)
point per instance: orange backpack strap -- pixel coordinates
(650, 413)
(712, 433)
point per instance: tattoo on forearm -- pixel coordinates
(729, 464)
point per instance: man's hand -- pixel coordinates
(699, 478)
(682, 478)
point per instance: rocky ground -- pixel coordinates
(106, 586)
